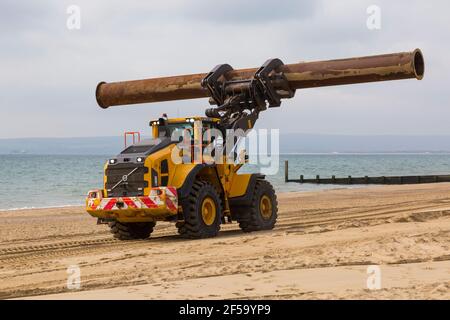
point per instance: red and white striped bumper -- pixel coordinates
(161, 202)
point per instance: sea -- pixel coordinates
(40, 181)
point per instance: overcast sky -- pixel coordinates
(49, 73)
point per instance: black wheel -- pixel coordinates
(202, 211)
(262, 212)
(130, 231)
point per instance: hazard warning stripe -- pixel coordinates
(171, 191)
(171, 205)
(170, 201)
(111, 203)
(148, 202)
(129, 203)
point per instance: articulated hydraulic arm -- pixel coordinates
(240, 101)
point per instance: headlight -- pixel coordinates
(140, 159)
(192, 120)
(112, 161)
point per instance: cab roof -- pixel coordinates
(196, 118)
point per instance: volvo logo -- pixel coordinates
(124, 178)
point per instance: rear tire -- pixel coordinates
(131, 231)
(262, 212)
(202, 210)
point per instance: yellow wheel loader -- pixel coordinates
(143, 184)
(171, 177)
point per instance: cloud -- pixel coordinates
(49, 73)
(248, 12)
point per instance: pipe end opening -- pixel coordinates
(419, 64)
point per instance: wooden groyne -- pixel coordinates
(366, 179)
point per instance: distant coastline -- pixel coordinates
(290, 144)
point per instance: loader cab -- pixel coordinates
(164, 129)
(194, 131)
(195, 128)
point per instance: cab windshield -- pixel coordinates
(178, 129)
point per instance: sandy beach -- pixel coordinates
(320, 249)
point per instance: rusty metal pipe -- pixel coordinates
(301, 75)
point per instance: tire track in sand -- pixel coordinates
(285, 223)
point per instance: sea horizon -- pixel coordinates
(296, 144)
(55, 180)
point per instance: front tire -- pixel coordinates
(262, 212)
(202, 211)
(131, 231)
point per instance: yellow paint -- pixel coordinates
(209, 211)
(239, 185)
(265, 207)
(180, 174)
(155, 131)
(105, 178)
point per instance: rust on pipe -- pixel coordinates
(395, 66)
